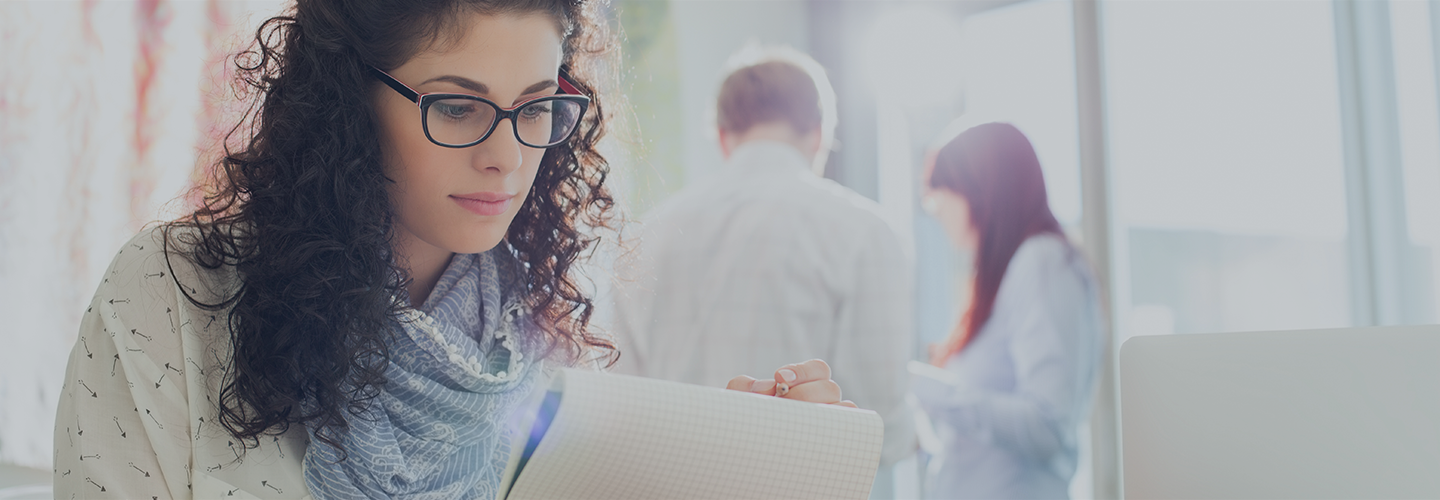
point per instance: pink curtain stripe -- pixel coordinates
(106, 112)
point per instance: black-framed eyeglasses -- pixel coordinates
(464, 120)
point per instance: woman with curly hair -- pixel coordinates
(380, 271)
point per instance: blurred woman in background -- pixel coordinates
(1020, 365)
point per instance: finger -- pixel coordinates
(746, 384)
(800, 373)
(847, 403)
(823, 391)
(741, 383)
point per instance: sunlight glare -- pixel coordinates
(900, 53)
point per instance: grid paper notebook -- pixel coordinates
(633, 438)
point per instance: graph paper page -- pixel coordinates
(632, 438)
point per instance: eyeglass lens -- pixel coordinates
(538, 124)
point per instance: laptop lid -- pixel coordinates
(1344, 413)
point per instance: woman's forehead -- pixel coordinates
(499, 50)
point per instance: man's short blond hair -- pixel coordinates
(776, 84)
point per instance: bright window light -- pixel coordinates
(900, 54)
(899, 57)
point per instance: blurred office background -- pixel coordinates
(1227, 166)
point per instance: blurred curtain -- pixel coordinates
(105, 111)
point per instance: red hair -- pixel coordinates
(995, 169)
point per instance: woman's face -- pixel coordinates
(462, 200)
(953, 212)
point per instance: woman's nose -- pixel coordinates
(501, 151)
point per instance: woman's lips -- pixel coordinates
(484, 203)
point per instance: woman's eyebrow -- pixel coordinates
(540, 86)
(468, 84)
(482, 89)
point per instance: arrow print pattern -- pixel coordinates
(152, 419)
(123, 325)
(137, 468)
(87, 389)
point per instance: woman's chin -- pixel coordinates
(479, 245)
(476, 238)
(467, 242)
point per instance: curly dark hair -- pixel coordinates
(298, 205)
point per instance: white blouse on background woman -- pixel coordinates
(1022, 387)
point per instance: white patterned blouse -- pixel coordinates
(137, 416)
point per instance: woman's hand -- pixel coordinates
(808, 381)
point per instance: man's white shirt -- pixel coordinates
(765, 264)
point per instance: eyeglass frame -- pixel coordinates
(567, 92)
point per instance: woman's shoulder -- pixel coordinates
(1044, 258)
(143, 251)
(1047, 251)
(170, 300)
(1046, 246)
(162, 256)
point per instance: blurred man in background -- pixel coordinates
(768, 262)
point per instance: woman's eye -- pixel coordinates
(535, 111)
(454, 111)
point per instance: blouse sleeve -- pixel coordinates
(121, 430)
(1052, 315)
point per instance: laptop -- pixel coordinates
(1342, 413)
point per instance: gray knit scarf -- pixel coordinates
(458, 367)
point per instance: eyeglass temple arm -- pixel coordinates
(390, 81)
(566, 86)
